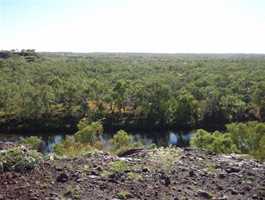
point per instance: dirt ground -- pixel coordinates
(189, 174)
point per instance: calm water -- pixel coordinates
(178, 138)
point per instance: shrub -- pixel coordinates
(90, 133)
(216, 142)
(259, 153)
(201, 139)
(249, 138)
(32, 142)
(124, 195)
(83, 123)
(245, 138)
(164, 158)
(135, 176)
(85, 140)
(115, 167)
(122, 142)
(118, 166)
(19, 159)
(69, 147)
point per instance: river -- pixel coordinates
(166, 138)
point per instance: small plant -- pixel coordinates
(72, 192)
(33, 142)
(123, 195)
(19, 159)
(135, 176)
(210, 167)
(164, 158)
(118, 166)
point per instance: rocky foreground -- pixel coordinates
(144, 174)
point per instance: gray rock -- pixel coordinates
(204, 194)
(63, 177)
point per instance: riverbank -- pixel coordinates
(165, 173)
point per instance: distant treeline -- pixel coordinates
(129, 91)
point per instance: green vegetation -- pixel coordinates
(85, 140)
(135, 176)
(132, 91)
(135, 91)
(124, 195)
(33, 142)
(19, 159)
(115, 167)
(70, 148)
(71, 192)
(215, 142)
(118, 166)
(89, 134)
(245, 138)
(122, 142)
(164, 158)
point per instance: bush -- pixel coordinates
(69, 147)
(216, 142)
(164, 158)
(33, 142)
(249, 138)
(118, 166)
(245, 138)
(90, 133)
(85, 140)
(83, 123)
(122, 142)
(19, 159)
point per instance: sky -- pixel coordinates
(157, 26)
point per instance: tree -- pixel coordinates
(183, 111)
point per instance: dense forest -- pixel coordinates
(130, 91)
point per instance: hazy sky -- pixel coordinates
(172, 26)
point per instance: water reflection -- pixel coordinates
(180, 139)
(50, 141)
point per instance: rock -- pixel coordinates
(204, 194)
(94, 173)
(1, 167)
(145, 169)
(99, 169)
(166, 179)
(233, 170)
(246, 188)
(219, 187)
(63, 177)
(191, 173)
(130, 152)
(221, 175)
(223, 198)
(92, 176)
(233, 191)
